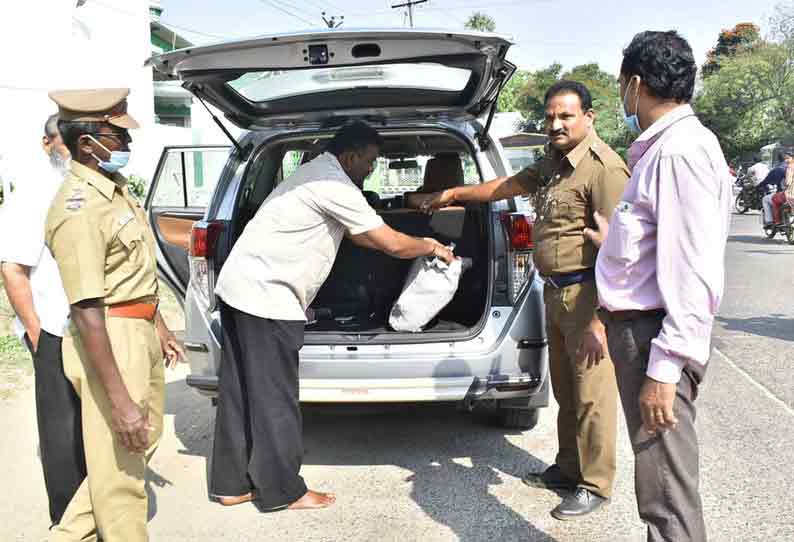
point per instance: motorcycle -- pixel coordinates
(749, 197)
(786, 226)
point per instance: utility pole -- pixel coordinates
(410, 4)
(331, 23)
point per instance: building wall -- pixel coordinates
(51, 44)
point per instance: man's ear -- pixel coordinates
(84, 145)
(590, 116)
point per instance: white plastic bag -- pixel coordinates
(430, 286)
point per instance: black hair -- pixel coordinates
(664, 61)
(570, 87)
(354, 136)
(51, 127)
(72, 130)
(781, 156)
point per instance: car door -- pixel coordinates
(181, 189)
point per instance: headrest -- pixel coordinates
(442, 172)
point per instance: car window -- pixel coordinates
(388, 182)
(290, 162)
(188, 177)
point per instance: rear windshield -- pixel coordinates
(272, 85)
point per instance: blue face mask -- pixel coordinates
(632, 121)
(118, 159)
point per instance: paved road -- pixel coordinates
(430, 474)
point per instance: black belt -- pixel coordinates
(623, 316)
(564, 280)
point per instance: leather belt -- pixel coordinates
(623, 316)
(134, 309)
(569, 279)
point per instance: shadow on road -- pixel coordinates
(452, 461)
(757, 240)
(776, 326)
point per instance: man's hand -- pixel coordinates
(598, 235)
(594, 344)
(445, 198)
(172, 350)
(131, 425)
(34, 334)
(656, 406)
(440, 251)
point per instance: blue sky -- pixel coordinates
(571, 32)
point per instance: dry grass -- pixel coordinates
(16, 365)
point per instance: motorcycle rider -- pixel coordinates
(775, 178)
(758, 171)
(788, 188)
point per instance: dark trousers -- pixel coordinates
(60, 426)
(666, 473)
(258, 427)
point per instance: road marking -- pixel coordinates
(755, 383)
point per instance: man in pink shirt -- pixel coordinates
(660, 275)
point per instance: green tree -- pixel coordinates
(603, 87)
(480, 21)
(730, 42)
(510, 97)
(749, 102)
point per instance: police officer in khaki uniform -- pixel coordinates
(114, 347)
(580, 175)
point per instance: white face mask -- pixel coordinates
(118, 159)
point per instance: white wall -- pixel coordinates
(52, 44)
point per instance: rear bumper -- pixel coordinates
(402, 389)
(514, 367)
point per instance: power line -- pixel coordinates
(410, 5)
(197, 32)
(278, 7)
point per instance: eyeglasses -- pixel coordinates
(121, 136)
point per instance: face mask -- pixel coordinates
(632, 121)
(118, 159)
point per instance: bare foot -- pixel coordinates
(312, 500)
(238, 499)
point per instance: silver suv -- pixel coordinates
(432, 96)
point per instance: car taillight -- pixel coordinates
(518, 229)
(203, 238)
(521, 232)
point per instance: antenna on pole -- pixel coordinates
(331, 23)
(410, 5)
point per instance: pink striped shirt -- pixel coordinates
(666, 242)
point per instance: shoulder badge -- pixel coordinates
(76, 200)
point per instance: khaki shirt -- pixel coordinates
(101, 240)
(568, 188)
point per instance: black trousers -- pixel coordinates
(666, 474)
(60, 425)
(258, 427)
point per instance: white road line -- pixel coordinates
(755, 383)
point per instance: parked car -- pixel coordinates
(430, 95)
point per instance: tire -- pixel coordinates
(788, 225)
(741, 205)
(493, 414)
(770, 232)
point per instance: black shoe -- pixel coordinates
(551, 478)
(579, 503)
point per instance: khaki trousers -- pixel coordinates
(111, 502)
(586, 423)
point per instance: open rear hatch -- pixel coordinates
(312, 78)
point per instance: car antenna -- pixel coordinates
(242, 151)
